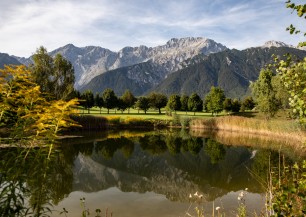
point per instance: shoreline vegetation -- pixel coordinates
(282, 130)
(227, 129)
(278, 129)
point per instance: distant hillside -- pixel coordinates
(137, 78)
(5, 59)
(232, 70)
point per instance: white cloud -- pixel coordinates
(113, 24)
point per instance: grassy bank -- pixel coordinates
(92, 122)
(247, 123)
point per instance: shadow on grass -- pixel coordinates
(246, 114)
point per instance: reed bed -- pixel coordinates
(286, 130)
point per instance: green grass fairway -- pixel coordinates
(151, 113)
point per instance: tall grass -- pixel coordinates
(278, 128)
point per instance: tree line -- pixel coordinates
(278, 87)
(214, 102)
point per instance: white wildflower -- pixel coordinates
(241, 194)
(217, 208)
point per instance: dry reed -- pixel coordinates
(271, 128)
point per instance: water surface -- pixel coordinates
(142, 174)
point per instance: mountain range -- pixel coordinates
(5, 59)
(182, 66)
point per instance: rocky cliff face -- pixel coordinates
(92, 61)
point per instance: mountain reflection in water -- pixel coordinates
(126, 171)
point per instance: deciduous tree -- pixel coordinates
(99, 101)
(129, 99)
(184, 103)
(281, 92)
(157, 101)
(174, 102)
(264, 93)
(195, 103)
(143, 103)
(109, 99)
(227, 104)
(236, 105)
(214, 100)
(25, 110)
(248, 103)
(294, 77)
(54, 75)
(63, 78)
(121, 104)
(88, 100)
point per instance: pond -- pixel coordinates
(133, 173)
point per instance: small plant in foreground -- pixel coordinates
(289, 190)
(198, 200)
(241, 201)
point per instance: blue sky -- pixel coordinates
(27, 24)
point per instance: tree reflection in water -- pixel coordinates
(215, 151)
(30, 183)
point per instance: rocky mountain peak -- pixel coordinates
(273, 43)
(188, 42)
(92, 61)
(69, 46)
